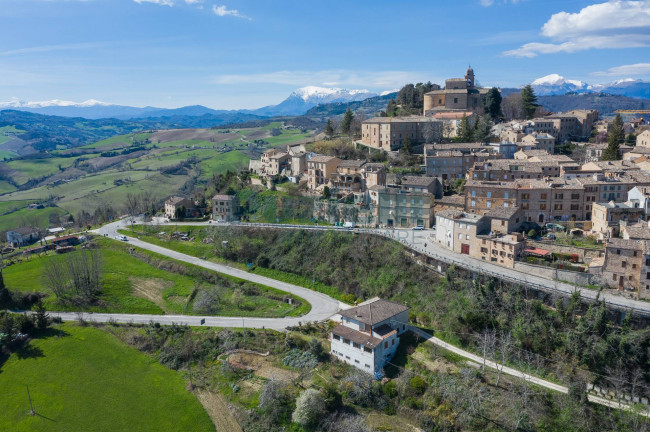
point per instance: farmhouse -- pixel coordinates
(368, 335)
(23, 236)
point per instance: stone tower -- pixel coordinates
(469, 76)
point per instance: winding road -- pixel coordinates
(323, 306)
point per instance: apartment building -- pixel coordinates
(504, 220)
(457, 230)
(500, 249)
(180, 207)
(513, 169)
(540, 200)
(388, 133)
(348, 177)
(402, 208)
(375, 174)
(319, 169)
(369, 334)
(606, 217)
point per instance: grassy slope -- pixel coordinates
(31, 217)
(89, 381)
(6, 187)
(204, 251)
(33, 168)
(122, 272)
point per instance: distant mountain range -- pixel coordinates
(555, 84)
(298, 103)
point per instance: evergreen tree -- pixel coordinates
(464, 133)
(614, 138)
(329, 129)
(492, 104)
(483, 130)
(406, 145)
(529, 101)
(346, 123)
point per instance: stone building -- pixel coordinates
(458, 94)
(369, 334)
(225, 208)
(319, 169)
(23, 236)
(643, 139)
(500, 249)
(175, 205)
(539, 141)
(389, 133)
(627, 266)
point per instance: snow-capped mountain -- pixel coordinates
(90, 109)
(17, 103)
(555, 84)
(301, 100)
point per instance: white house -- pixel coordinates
(23, 236)
(639, 197)
(368, 335)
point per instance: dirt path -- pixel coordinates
(217, 409)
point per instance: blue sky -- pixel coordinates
(250, 53)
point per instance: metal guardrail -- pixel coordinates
(552, 286)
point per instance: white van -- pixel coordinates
(349, 225)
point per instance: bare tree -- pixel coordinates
(75, 276)
(432, 132)
(512, 106)
(132, 203)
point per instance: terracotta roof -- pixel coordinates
(223, 197)
(537, 251)
(502, 212)
(361, 338)
(374, 312)
(354, 163)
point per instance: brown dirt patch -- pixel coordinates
(258, 134)
(150, 289)
(385, 422)
(191, 134)
(435, 364)
(261, 366)
(217, 408)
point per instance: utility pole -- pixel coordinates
(31, 407)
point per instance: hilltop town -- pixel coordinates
(327, 255)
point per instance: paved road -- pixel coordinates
(322, 306)
(416, 241)
(514, 372)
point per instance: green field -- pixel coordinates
(34, 168)
(87, 381)
(6, 154)
(105, 180)
(6, 187)
(30, 217)
(130, 285)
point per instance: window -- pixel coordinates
(346, 341)
(473, 203)
(356, 345)
(488, 204)
(336, 337)
(368, 350)
(506, 195)
(357, 361)
(623, 264)
(473, 193)
(489, 194)
(386, 345)
(367, 366)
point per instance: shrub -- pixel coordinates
(207, 302)
(310, 406)
(315, 347)
(418, 385)
(349, 298)
(390, 389)
(300, 359)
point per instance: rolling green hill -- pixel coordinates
(100, 174)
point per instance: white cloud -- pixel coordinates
(191, 2)
(224, 11)
(328, 78)
(626, 70)
(159, 2)
(615, 24)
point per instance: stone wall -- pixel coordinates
(331, 212)
(576, 278)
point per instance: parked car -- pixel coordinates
(550, 236)
(121, 237)
(418, 228)
(554, 227)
